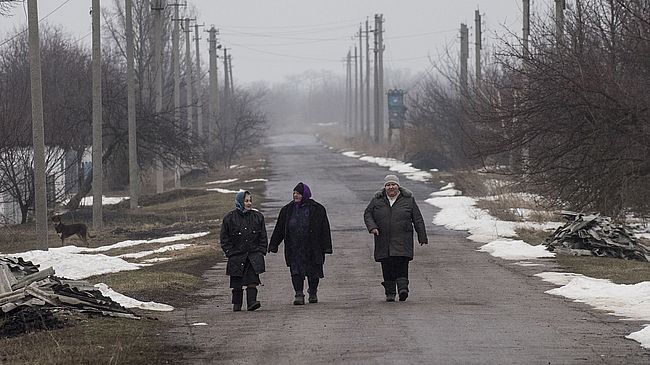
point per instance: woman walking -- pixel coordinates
(305, 229)
(244, 242)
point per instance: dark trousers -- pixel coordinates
(298, 282)
(395, 267)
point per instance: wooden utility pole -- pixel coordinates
(176, 69)
(188, 75)
(158, 6)
(464, 56)
(38, 130)
(232, 80)
(526, 28)
(97, 118)
(478, 45)
(197, 82)
(134, 171)
(214, 82)
(367, 80)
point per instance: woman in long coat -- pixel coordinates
(390, 217)
(244, 242)
(305, 229)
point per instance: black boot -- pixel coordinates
(251, 299)
(402, 288)
(237, 299)
(389, 289)
(299, 299)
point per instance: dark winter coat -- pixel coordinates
(319, 239)
(395, 224)
(243, 236)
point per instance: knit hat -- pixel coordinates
(391, 179)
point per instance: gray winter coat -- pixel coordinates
(395, 224)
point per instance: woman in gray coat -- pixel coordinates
(391, 216)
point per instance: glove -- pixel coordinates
(273, 249)
(424, 243)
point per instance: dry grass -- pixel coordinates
(105, 340)
(617, 270)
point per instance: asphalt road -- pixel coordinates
(465, 307)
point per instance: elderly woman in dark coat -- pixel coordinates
(391, 216)
(305, 229)
(244, 242)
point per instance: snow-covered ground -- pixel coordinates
(459, 212)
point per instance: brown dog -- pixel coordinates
(66, 230)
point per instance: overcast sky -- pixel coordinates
(273, 38)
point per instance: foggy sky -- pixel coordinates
(270, 39)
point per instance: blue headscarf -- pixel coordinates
(239, 200)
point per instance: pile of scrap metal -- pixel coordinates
(22, 285)
(593, 234)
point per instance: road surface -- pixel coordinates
(465, 307)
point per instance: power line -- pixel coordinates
(40, 20)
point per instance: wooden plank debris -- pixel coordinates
(597, 235)
(23, 285)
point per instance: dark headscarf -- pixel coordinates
(239, 200)
(304, 190)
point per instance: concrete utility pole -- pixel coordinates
(348, 92)
(478, 45)
(356, 93)
(188, 75)
(526, 29)
(214, 81)
(232, 80)
(361, 123)
(38, 130)
(226, 88)
(560, 5)
(464, 56)
(158, 6)
(176, 69)
(379, 78)
(97, 118)
(367, 79)
(134, 171)
(197, 82)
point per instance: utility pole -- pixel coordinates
(158, 6)
(199, 94)
(232, 80)
(356, 93)
(134, 171)
(560, 5)
(226, 88)
(526, 29)
(176, 67)
(348, 92)
(379, 78)
(478, 45)
(361, 123)
(464, 56)
(38, 130)
(97, 118)
(188, 75)
(214, 81)
(367, 80)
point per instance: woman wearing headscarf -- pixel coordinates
(305, 229)
(244, 242)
